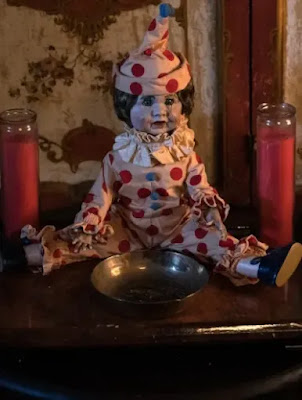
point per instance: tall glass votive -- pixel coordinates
(19, 170)
(276, 136)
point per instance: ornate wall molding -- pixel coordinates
(85, 19)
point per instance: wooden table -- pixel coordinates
(56, 329)
(64, 310)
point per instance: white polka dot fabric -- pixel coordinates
(162, 206)
(152, 69)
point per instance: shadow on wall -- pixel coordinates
(84, 143)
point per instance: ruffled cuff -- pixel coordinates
(211, 200)
(89, 221)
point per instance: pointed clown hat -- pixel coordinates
(152, 69)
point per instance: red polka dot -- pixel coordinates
(162, 192)
(89, 198)
(93, 210)
(152, 230)
(152, 25)
(124, 246)
(138, 213)
(172, 85)
(228, 243)
(195, 180)
(167, 211)
(104, 187)
(169, 55)
(202, 248)
(143, 193)
(165, 35)
(95, 255)
(126, 176)
(252, 241)
(108, 217)
(90, 228)
(210, 201)
(178, 239)
(136, 88)
(117, 185)
(198, 159)
(148, 52)
(111, 158)
(200, 233)
(137, 70)
(176, 174)
(57, 253)
(125, 201)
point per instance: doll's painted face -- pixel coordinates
(156, 114)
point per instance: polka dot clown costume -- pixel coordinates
(152, 189)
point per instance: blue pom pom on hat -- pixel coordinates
(152, 69)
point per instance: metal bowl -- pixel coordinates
(152, 283)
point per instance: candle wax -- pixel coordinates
(275, 166)
(19, 182)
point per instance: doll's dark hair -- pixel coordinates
(123, 102)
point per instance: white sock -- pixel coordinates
(246, 268)
(33, 254)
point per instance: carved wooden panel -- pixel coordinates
(235, 100)
(268, 24)
(267, 31)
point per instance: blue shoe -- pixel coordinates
(279, 264)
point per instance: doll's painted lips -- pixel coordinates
(159, 124)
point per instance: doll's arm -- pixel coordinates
(203, 197)
(91, 217)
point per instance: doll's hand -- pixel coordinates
(81, 240)
(103, 236)
(214, 216)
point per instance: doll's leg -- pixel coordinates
(244, 261)
(58, 251)
(206, 243)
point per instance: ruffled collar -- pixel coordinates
(147, 150)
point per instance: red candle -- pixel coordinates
(19, 171)
(275, 172)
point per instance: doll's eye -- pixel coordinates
(147, 101)
(169, 102)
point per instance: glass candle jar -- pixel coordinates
(276, 136)
(19, 170)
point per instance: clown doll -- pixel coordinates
(152, 189)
